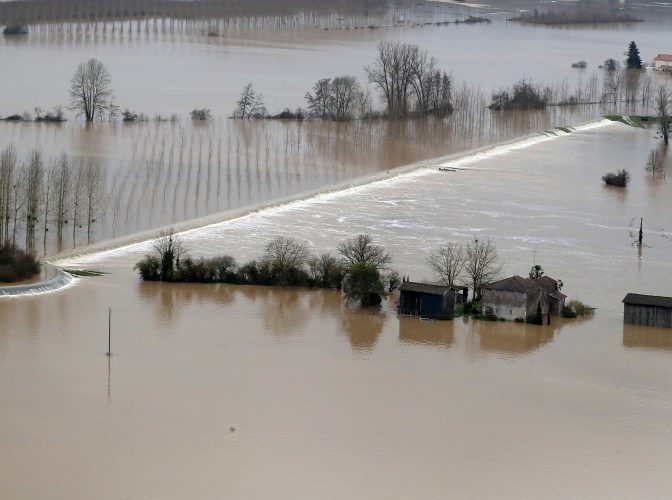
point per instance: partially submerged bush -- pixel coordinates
(16, 265)
(579, 307)
(523, 95)
(618, 179)
(15, 29)
(363, 284)
(200, 114)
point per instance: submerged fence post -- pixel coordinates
(109, 331)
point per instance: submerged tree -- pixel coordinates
(663, 105)
(364, 284)
(91, 90)
(633, 60)
(362, 249)
(448, 262)
(250, 104)
(482, 265)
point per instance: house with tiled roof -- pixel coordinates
(662, 62)
(516, 299)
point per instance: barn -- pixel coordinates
(427, 301)
(647, 310)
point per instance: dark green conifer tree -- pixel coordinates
(633, 61)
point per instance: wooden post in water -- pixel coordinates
(109, 331)
(641, 232)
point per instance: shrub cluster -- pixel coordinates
(523, 95)
(285, 262)
(618, 179)
(16, 265)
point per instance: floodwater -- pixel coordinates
(248, 392)
(158, 174)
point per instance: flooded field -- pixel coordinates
(254, 392)
(155, 174)
(219, 391)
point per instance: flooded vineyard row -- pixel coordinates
(154, 174)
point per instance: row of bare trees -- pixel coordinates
(254, 13)
(35, 198)
(474, 264)
(409, 80)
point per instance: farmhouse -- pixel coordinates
(515, 298)
(429, 301)
(663, 62)
(647, 310)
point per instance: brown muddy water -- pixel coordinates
(247, 392)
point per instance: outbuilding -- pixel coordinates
(647, 310)
(428, 301)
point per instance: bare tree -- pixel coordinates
(362, 250)
(448, 262)
(656, 161)
(62, 182)
(33, 197)
(284, 253)
(93, 194)
(481, 265)
(8, 163)
(250, 104)
(663, 105)
(392, 73)
(337, 99)
(91, 90)
(319, 102)
(77, 189)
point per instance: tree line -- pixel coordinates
(36, 198)
(361, 270)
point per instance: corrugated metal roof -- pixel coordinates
(664, 57)
(647, 300)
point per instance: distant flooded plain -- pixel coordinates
(163, 173)
(253, 392)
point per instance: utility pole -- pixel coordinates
(641, 232)
(109, 331)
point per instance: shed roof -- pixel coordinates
(409, 286)
(557, 296)
(513, 284)
(664, 57)
(648, 300)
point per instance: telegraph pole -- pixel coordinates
(641, 232)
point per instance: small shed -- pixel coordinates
(647, 310)
(427, 301)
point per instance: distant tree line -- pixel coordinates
(360, 270)
(25, 12)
